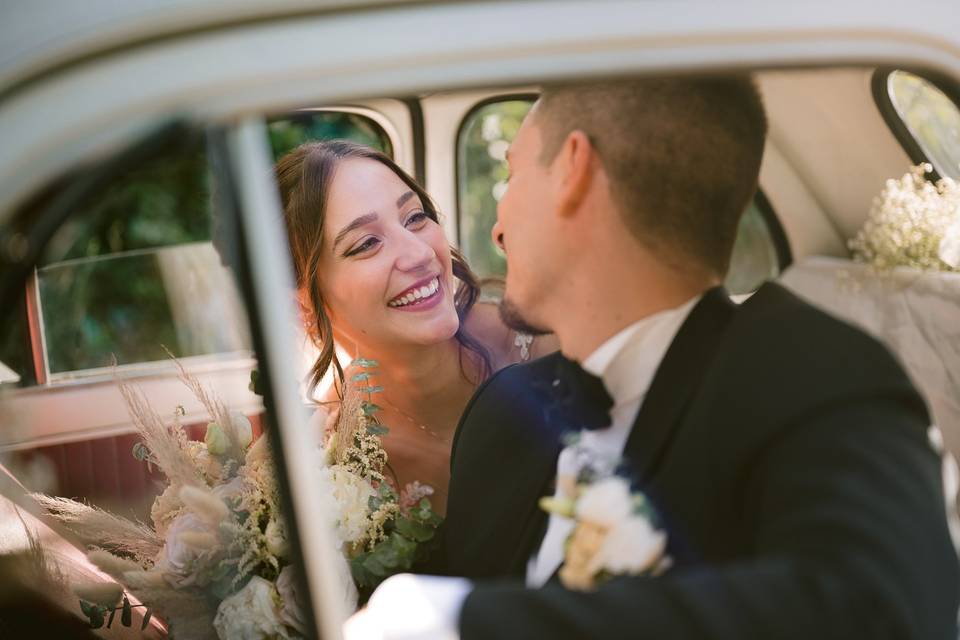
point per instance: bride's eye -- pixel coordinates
(363, 247)
(416, 220)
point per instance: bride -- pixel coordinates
(376, 276)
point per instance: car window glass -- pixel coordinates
(482, 144)
(484, 137)
(133, 274)
(290, 131)
(931, 118)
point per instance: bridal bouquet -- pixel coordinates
(381, 531)
(913, 223)
(215, 562)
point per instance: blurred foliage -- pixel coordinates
(932, 118)
(163, 201)
(482, 177)
(291, 131)
(101, 287)
(14, 344)
(94, 310)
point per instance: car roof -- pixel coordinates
(37, 37)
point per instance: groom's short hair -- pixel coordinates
(682, 155)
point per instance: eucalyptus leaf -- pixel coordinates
(369, 408)
(146, 619)
(373, 564)
(365, 363)
(377, 430)
(126, 616)
(416, 531)
(86, 607)
(113, 612)
(373, 389)
(360, 377)
(96, 617)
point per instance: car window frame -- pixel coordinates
(880, 87)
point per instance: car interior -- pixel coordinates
(141, 266)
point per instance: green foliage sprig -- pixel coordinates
(97, 614)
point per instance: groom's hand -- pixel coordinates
(409, 607)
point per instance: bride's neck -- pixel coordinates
(420, 375)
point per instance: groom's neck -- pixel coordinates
(605, 297)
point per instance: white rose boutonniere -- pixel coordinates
(613, 535)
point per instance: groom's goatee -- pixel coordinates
(511, 316)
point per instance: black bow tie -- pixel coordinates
(584, 401)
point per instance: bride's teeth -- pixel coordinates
(417, 294)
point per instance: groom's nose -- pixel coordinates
(497, 234)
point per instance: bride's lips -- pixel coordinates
(424, 294)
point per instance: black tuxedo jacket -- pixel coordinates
(787, 455)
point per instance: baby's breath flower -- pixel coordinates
(911, 224)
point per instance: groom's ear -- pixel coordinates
(574, 168)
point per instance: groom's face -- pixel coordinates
(524, 231)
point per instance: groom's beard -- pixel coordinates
(510, 315)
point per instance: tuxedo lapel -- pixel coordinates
(677, 378)
(531, 475)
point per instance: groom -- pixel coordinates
(784, 453)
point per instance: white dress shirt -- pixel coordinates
(626, 363)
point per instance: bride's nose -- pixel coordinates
(413, 253)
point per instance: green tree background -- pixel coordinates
(100, 286)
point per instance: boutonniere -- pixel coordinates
(613, 534)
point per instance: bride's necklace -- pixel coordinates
(422, 427)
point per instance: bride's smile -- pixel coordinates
(425, 294)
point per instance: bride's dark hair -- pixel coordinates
(303, 178)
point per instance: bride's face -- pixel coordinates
(386, 271)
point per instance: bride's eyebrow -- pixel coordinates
(358, 222)
(402, 199)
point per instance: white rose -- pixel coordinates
(243, 428)
(180, 561)
(251, 613)
(605, 502)
(291, 605)
(632, 546)
(229, 492)
(352, 496)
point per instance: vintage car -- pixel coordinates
(138, 144)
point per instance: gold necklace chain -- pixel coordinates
(416, 423)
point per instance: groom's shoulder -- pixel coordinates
(523, 379)
(514, 395)
(777, 331)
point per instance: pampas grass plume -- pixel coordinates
(204, 504)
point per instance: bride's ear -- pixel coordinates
(307, 316)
